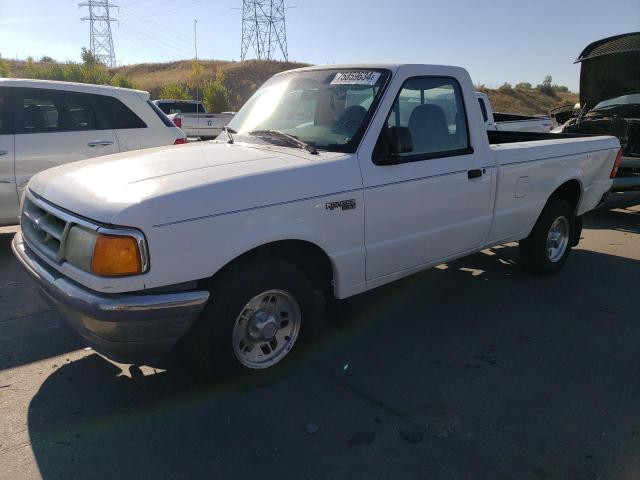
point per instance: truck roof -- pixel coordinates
(393, 67)
(71, 86)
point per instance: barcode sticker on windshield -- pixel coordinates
(356, 78)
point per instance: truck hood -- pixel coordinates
(610, 69)
(168, 184)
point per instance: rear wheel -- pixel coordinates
(547, 247)
(257, 314)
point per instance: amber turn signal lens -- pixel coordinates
(116, 255)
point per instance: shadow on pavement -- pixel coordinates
(503, 375)
(621, 212)
(29, 329)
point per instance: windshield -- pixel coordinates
(327, 109)
(631, 99)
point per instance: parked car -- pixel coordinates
(331, 180)
(510, 121)
(610, 101)
(192, 117)
(45, 123)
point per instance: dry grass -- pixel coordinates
(527, 102)
(243, 78)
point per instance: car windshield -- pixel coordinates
(631, 99)
(326, 109)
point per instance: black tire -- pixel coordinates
(210, 340)
(533, 249)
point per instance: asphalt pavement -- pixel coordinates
(472, 370)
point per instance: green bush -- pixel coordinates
(122, 80)
(174, 91)
(216, 97)
(5, 69)
(505, 87)
(546, 86)
(524, 86)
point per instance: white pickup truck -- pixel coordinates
(192, 117)
(511, 122)
(333, 180)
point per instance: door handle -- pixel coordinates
(475, 173)
(100, 143)
(3, 152)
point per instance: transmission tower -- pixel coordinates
(100, 39)
(263, 29)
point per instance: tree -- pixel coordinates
(88, 58)
(216, 97)
(46, 59)
(195, 77)
(174, 91)
(546, 86)
(523, 86)
(505, 87)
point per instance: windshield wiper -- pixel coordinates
(290, 138)
(229, 132)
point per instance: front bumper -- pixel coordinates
(128, 328)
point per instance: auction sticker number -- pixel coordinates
(356, 78)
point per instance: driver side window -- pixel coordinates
(430, 111)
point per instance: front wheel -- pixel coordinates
(256, 316)
(547, 247)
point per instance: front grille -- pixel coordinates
(43, 230)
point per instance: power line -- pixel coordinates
(159, 45)
(166, 11)
(184, 43)
(100, 39)
(263, 29)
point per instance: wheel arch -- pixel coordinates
(570, 191)
(313, 260)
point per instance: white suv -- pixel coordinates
(44, 124)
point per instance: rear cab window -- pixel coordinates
(180, 107)
(483, 107)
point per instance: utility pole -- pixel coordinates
(264, 29)
(100, 39)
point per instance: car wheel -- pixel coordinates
(257, 315)
(547, 247)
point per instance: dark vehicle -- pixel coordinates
(610, 101)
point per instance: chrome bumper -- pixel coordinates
(128, 328)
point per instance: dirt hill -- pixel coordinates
(243, 78)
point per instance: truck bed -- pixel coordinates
(500, 137)
(511, 117)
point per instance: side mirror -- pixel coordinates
(393, 141)
(400, 140)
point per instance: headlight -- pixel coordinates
(120, 253)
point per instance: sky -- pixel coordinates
(497, 41)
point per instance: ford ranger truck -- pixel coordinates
(331, 180)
